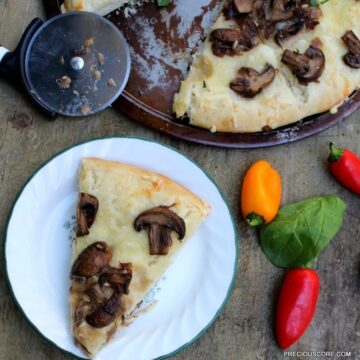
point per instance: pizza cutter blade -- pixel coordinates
(75, 64)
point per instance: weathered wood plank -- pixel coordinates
(245, 328)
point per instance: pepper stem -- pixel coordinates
(254, 219)
(335, 153)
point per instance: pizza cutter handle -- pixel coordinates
(11, 66)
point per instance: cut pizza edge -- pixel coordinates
(100, 7)
(241, 82)
(132, 223)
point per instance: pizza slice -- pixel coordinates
(268, 63)
(131, 224)
(101, 7)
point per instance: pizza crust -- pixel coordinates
(100, 7)
(123, 192)
(206, 98)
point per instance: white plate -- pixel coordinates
(38, 250)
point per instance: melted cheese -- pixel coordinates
(123, 192)
(216, 107)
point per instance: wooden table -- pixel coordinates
(244, 329)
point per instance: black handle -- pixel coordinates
(11, 64)
(52, 7)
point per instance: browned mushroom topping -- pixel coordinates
(94, 297)
(104, 285)
(244, 6)
(258, 9)
(250, 82)
(106, 313)
(352, 42)
(84, 308)
(224, 42)
(86, 210)
(352, 58)
(230, 11)
(160, 221)
(232, 41)
(279, 10)
(285, 18)
(101, 300)
(306, 67)
(92, 260)
(97, 294)
(312, 17)
(287, 29)
(118, 278)
(280, 18)
(249, 33)
(79, 279)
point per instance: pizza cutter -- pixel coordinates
(75, 64)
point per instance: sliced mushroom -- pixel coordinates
(286, 18)
(306, 67)
(160, 221)
(352, 42)
(258, 9)
(279, 10)
(101, 300)
(160, 240)
(232, 41)
(352, 58)
(97, 294)
(118, 278)
(288, 29)
(230, 11)
(250, 82)
(312, 17)
(224, 42)
(86, 210)
(249, 33)
(93, 298)
(244, 6)
(92, 260)
(106, 313)
(84, 308)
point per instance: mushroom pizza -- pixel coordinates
(268, 63)
(131, 223)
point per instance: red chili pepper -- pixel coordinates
(296, 305)
(345, 166)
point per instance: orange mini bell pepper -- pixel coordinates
(261, 194)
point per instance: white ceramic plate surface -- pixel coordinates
(38, 251)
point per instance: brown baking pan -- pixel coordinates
(161, 43)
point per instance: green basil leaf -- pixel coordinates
(163, 2)
(315, 3)
(301, 230)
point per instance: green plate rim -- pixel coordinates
(236, 237)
